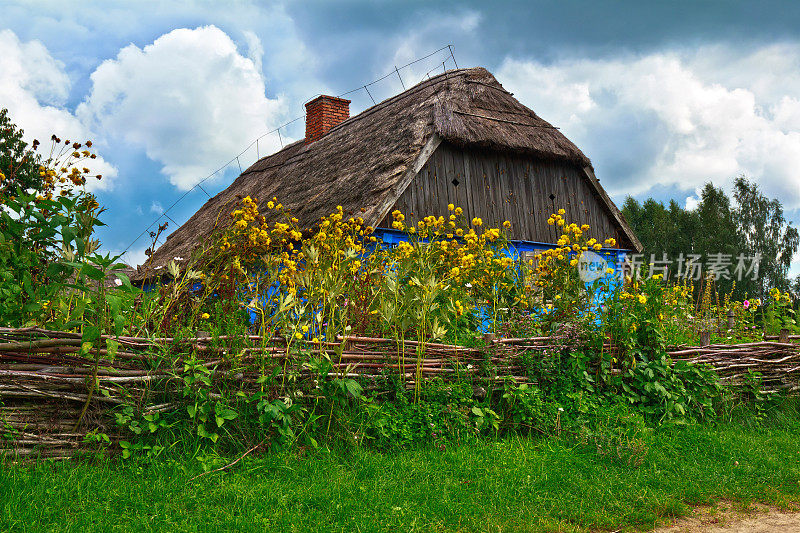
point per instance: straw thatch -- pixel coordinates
(367, 161)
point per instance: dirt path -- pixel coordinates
(725, 518)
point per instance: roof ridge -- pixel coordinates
(445, 76)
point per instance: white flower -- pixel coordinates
(117, 282)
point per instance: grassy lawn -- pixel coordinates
(515, 484)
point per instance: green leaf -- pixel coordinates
(67, 235)
(353, 388)
(90, 333)
(93, 272)
(226, 414)
(112, 346)
(114, 302)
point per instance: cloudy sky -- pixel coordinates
(662, 96)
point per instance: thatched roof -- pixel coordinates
(362, 162)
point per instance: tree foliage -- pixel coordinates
(764, 230)
(19, 162)
(749, 223)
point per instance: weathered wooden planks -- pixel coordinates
(497, 186)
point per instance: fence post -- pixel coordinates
(705, 338)
(730, 319)
(784, 335)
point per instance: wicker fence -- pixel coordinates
(48, 403)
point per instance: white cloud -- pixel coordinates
(422, 39)
(156, 208)
(133, 257)
(255, 50)
(190, 99)
(676, 119)
(692, 202)
(34, 88)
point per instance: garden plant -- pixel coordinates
(606, 386)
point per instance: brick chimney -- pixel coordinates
(323, 113)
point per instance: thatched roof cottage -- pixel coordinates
(458, 138)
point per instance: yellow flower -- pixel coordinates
(561, 211)
(506, 224)
(450, 207)
(642, 299)
(609, 270)
(458, 211)
(205, 316)
(477, 221)
(298, 335)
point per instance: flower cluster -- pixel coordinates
(64, 168)
(780, 297)
(342, 274)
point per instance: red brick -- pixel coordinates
(323, 113)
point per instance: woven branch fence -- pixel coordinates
(48, 402)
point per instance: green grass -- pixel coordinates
(516, 484)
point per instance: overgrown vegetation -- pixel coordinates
(607, 387)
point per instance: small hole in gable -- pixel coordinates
(455, 182)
